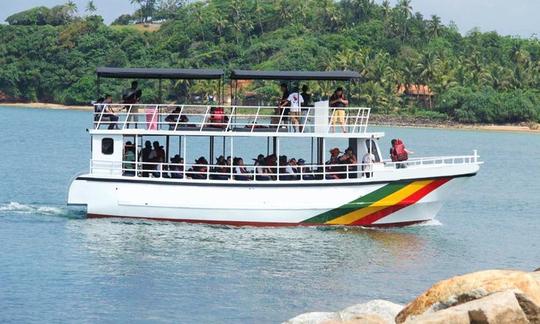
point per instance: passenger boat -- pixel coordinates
(380, 193)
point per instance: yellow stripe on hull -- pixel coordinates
(386, 202)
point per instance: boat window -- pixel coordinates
(371, 144)
(107, 146)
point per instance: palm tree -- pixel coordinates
(434, 26)
(91, 7)
(71, 8)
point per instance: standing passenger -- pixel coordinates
(338, 101)
(131, 97)
(145, 158)
(295, 101)
(306, 96)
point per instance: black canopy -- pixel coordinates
(155, 73)
(294, 75)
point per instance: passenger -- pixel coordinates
(338, 101)
(305, 172)
(281, 114)
(306, 96)
(131, 97)
(349, 159)
(367, 163)
(292, 169)
(295, 101)
(144, 157)
(157, 157)
(200, 170)
(152, 116)
(128, 164)
(271, 165)
(332, 169)
(261, 171)
(109, 113)
(176, 167)
(221, 171)
(98, 108)
(240, 170)
(176, 119)
(399, 153)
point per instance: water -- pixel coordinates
(58, 266)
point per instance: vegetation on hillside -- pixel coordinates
(50, 55)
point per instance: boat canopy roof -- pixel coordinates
(294, 75)
(159, 73)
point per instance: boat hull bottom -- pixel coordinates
(252, 224)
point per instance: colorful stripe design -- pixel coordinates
(378, 204)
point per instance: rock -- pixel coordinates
(386, 310)
(462, 289)
(531, 310)
(501, 307)
(362, 319)
(315, 318)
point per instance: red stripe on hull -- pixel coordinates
(410, 200)
(253, 224)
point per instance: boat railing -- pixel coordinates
(307, 172)
(230, 118)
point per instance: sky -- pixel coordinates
(518, 17)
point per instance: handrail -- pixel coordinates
(308, 172)
(224, 118)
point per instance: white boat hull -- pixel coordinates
(360, 203)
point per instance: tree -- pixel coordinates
(91, 7)
(434, 26)
(147, 9)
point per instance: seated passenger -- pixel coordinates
(305, 172)
(286, 171)
(128, 164)
(332, 169)
(271, 165)
(349, 160)
(221, 171)
(109, 114)
(98, 108)
(240, 170)
(176, 119)
(217, 118)
(200, 170)
(176, 168)
(261, 171)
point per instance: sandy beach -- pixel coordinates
(378, 120)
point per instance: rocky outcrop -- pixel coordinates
(373, 312)
(486, 297)
(463, 289)
(502, 307)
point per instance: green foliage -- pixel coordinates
(55, 16)
(50, 54)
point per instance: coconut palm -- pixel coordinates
(91, 7)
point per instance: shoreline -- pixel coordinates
(377, 120)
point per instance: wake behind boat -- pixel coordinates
(373, 192)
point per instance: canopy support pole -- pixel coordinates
(159, 92)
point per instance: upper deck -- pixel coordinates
(320, 120)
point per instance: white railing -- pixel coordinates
(312, 172)
(229, 118)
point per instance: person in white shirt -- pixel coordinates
(367, 164)
(295, 101)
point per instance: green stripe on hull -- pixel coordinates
(357, 204)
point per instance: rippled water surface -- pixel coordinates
(55, 265)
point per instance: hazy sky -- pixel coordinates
(518, 17)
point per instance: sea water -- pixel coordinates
(57, 266)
